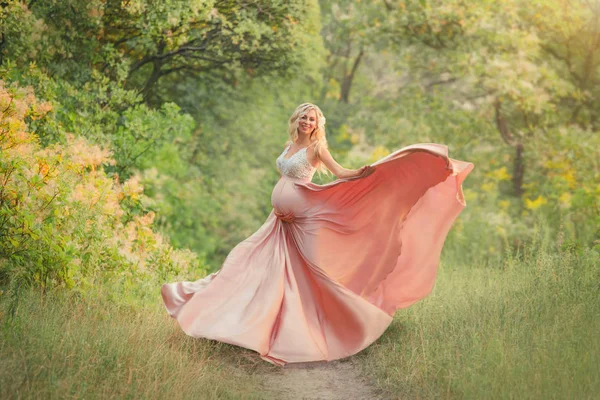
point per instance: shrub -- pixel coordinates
(63, 221)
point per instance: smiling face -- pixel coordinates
(307, 122)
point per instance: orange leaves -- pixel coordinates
(43, 168)
(292, 20)
(39, 110)
(85, 155)
(132, 188)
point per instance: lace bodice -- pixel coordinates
(297, 166)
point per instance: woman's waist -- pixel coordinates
(295, 179)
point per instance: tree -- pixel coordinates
(140, 42)
(532, 64)
(350, 28)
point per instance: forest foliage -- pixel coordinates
(138, 138)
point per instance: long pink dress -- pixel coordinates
(326, 285)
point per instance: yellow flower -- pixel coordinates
(343, 133)
(379, 152)
(488, 187)
(501, 174)
(470, 195)
(533, 204)
(569, 176)
(565, 200)
(504, 204)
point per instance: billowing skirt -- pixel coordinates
(326, 285)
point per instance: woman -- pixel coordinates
(322, 277)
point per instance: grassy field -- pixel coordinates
(527, 328)
(61, 346)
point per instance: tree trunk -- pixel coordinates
(518, 170)
(515, 142)
(347, 81)
(152, 79)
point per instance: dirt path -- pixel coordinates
(319, 380)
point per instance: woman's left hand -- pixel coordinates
(289, 217)
(365, 171)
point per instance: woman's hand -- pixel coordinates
(289, 217)
(365, 171)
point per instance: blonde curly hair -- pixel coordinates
(317, 135)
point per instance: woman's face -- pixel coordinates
(307, 122)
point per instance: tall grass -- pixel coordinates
(62, 346)
(523, 326)
(526, 327)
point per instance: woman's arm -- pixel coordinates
(341, 172)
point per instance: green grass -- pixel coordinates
(61, 346)
(528, 328)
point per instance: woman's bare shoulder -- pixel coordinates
(312, 156)
(321, 150)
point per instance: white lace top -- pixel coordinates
(297, 166)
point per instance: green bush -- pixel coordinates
(63, 221)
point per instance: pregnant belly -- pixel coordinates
(286, 197)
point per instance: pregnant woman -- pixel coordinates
(322, 277)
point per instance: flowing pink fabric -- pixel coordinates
(326, 285)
